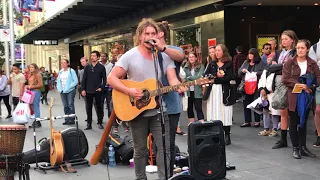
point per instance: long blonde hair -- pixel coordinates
(36, 69)
(145, 22)
(292, 35)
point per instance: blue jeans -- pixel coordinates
(107, 95)
(36, 103)
(68, 104)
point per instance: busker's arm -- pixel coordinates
(173, 80)
(114, 80)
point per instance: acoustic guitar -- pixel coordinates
(127, 108)
(56, 142)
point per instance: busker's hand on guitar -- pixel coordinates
(83, 93)
(136, 93)
(182, 89)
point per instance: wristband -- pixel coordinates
(164, 48)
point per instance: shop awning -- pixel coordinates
(84, 14)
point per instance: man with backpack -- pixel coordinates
(314, 53)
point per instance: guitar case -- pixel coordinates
(71, 148)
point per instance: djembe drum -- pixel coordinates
(11, 146)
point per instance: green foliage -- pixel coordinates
(187, 36)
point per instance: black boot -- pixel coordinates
(36, 124)
(296, 153)
(317, 143)
(306, 152)
(88, 127)
(283, 142)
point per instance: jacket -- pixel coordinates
(224, 81)
(4, 88)
(72, 81)
(290, 76)
(199, 71)
(238, 60)
(257, 67)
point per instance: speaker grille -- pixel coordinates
(208, 160)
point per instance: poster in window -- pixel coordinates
(31, 5)
(264, 38)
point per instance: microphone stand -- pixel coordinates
(155, 62)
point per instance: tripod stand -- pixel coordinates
(74, 162)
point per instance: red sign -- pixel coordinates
(212, 42)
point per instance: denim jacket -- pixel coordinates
(72, 81)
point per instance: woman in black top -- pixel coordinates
(253, 64)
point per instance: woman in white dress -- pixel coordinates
(219, 104)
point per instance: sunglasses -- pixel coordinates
(267, 48)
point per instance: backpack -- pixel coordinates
(315, 47)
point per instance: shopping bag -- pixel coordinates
(21, 114)
(28, 97)
(256, 106)
(250, 83)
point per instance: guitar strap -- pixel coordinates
(68, 165)
(164, 79)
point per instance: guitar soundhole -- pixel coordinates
(145, 100)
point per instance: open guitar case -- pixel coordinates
(74, 149)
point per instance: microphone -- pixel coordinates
(150, 41)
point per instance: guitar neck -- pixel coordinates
(167, 89)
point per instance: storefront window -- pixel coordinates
(188, 39)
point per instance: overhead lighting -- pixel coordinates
(259, 4)
(316, 4)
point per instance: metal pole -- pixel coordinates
(12, 41)
(6, 44)
(22, 57)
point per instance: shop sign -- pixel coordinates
(45, 42)
(212, 42)
(5, 35)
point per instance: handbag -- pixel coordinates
(231, 99)
(279, 100)
(317, 96)
(206, 90)
(240, 88)
(28, 96)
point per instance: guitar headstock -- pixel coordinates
(204, 80)
(51, 103)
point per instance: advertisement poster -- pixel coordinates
(18, 51)
(262, 39)
(26, 15)
(212, 42)
(31, 5)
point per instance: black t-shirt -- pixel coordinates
(250, 67)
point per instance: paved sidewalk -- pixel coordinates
(252, 154)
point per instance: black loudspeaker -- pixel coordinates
(183, 177)
(206, 147)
